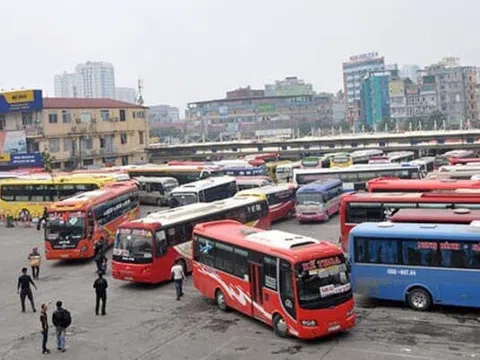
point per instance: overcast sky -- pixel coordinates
(191, 50)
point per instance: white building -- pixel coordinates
(126, 94)
(96, 79)
(66, 85)
(410, 71)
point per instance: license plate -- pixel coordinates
(334, 328)
(128, 278)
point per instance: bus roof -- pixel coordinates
(465, 175)
(188, 212)
(447, 216)
(91, 198)
(447, 232)
(354, 168)
(152, 179)
(320, 185)
(394, 184)
(200, 185)
(472, 195)
(261, 179)
(266, 190)
(289, 246)
(63, 179)
(178, 168)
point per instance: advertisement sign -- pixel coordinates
(21, 100)
(261, 108)
(26, 160)
(12, 142)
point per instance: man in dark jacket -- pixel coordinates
(44, 328)
(100, 285)
(61, 319)
(23, 288)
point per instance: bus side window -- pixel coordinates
(286, 288)
(270, 272)
(161, 243)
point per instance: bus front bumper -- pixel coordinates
(311, 216)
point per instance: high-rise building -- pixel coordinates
(290, 86)
(411, 72)
(66, 85)
(126, 94)
(374, 98)
(96, 79)
(354, 71)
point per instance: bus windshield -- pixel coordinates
(323, 283)
(309, 198)
(133, 244)
(62, 225)
(182, 199)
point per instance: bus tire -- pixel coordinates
(419, 299)
(280, 326)
(220, 300)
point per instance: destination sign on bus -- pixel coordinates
(316, 264)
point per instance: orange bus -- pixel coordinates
(76, 224)
(298, 285)
(415, 185)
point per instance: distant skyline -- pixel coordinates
(197, 50)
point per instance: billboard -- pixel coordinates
(26, 160)
(21, 100)
(12, 142)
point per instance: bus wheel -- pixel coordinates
(419, 299)
(220, 298)
(280, 326)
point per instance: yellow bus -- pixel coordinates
(272, 167)
(27, 197)
(341, 160)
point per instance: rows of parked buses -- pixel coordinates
(409, 229)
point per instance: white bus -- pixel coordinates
(460, 168)
(284, 172)
(207, 190)
(156, 190)
(427, 163)
(363, 156)
(355, 177)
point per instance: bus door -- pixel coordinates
(255, 276)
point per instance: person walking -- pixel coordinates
(23, 288)
(61, 319)
(44, 328)
(100, 285)
(99, 253)
(178, 276)
(34, 258)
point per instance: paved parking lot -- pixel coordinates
(145, 322)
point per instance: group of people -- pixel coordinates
(61, 318)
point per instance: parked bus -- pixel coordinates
(76, 224)
(460, 168)
(266, 157)
(146, 249)
(341, 160)
(156, 191)
(298, 285)
(318, 200)
(355, 177)
(250, 182)
(27, 196)
(272, 168)
(422, 264)
(311, 162)
(410, 185)
(356, 208)
(284, 173)
(281, 199)
(463, 161)
(363, 156)
(442, 160)
(183, 173)
(245, 171)
(455, 175)
(436, 216)
(206, 190)
(426, 164)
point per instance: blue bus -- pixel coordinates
(318, 200)
(245, 171)
(422, 264)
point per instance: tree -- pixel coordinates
(47, 162)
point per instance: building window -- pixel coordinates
(124, 160)
(140, 137)
(122, 115)
(89, 143)
(123, 138)
(52, 118)
(102, 143)
(54, 145)
(66, 117)
(2, 122)
(105, 115)
(85, 117)
(67, 144)
(88, 162)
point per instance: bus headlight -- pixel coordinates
(309, 323)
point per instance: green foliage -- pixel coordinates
(47, 161)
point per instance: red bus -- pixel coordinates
(281, 199)
(463, 161)
(442, 160)
(436, 216)
(362, 207)
(414, 185)
(298, 285)
(146, 249)
(76, 224)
